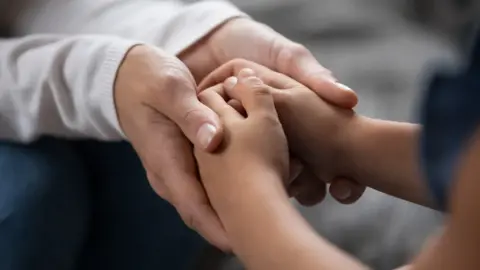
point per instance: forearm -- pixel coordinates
(384, 155)
(171, 25)
(60, 86)
(267, 232)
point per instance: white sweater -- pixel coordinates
(56, 83)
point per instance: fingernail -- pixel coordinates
(343, 192)
(230, 83)
(246, 72)
(344, 87)
(205, 134)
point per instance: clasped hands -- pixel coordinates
(159, 112)
(268, 117)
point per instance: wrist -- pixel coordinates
(349, 143)
(248, 187)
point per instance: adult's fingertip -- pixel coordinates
(334, 92)
(344, 96)
(205, 134)
(342, 192)
(344, 87)
(346, 191)
(307, 189)
(209, 136)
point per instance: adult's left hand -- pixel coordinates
(247, 39)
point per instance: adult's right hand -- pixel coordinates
(158, 110)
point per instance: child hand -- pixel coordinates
(316, 131)
(254, 142)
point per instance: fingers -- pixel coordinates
(296, 168)
(346, 191)
(173, 93)
(298, 62)
(213, 99)
(233, 67)
(237, 105)
(253, 94)
(307, 189)
(172, 174)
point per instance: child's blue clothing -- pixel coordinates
(450, 116)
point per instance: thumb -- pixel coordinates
(174, 94)
(200, 124)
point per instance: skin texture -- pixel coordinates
(266, 232)
(159, 112)
(245, 181)
(298, 108)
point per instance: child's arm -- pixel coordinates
(334, 142)
(244, 184)
(384, 155)
(267, 232)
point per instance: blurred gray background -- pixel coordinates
(385, 51)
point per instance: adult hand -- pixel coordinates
(244, 38)
(247, 39)
(306, 188)
(156, 101)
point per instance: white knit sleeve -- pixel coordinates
(171, 25)
(60, 86)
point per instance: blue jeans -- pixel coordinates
(85, 205)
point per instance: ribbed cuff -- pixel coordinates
(114, 57)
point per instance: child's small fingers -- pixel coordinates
(233, 67)
(237, 105)
(255, 96)
(220, 90)
(217, 103)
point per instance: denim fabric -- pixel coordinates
(450, 116)
(85, 205)
(44, 206)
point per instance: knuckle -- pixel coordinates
(289, 54)
(261, 90)
(202, 96)
(269, 117)
(298, 50)
(192, 114)
(171, 83)
(283, 98)
(256, 86)
(171, 78)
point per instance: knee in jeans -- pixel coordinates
(42, 181)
